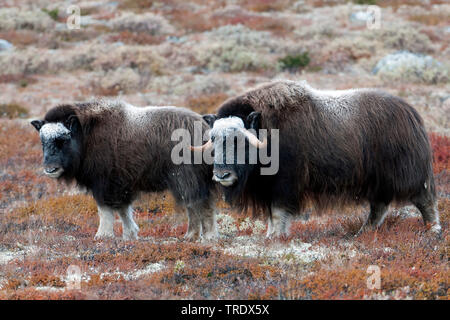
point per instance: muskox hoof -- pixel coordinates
(130, 237)
(104, 236)
(277, 235)
(131, 234)
(191, 236)
(361, 230)
(436, 230)
(210, 236)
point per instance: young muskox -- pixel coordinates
(116, 150)
(335, 147)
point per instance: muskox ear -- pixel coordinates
(254, 120)
(37, 124)
(86, 124)
(72, 123)
(210, 119)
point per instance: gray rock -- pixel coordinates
(90, 21)
(175, 39)
(361, 17)
(6, 45)
(410, 66)
(404, 59)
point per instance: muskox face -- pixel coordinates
(235, 148)
(60, 145)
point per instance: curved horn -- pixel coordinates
(203, 147)
(254, 140)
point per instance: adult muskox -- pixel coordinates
(335, 147)
(116, 150)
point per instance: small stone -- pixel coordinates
(361, 17)
(411, 66)
(5, 45)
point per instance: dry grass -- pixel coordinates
(12, 110)
(137, 38)
(266, 5)
(205, 103)
(395, 4)
(429, 19)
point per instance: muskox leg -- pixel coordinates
(278, 223)
(376, 216)
(201, 221)
(105, 229)
(209, 225)
(130, 228)
(427, 206)
(194, 224)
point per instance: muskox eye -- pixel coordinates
(213, 138)
(59, 143)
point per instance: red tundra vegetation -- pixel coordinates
(42, 235)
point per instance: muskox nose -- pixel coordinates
(225, 178)
(222, 175)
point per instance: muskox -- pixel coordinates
(335, 148)
(116, 151)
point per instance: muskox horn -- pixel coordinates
(203, 147)
(254, 140)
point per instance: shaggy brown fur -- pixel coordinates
(125, 150)
(337, 147)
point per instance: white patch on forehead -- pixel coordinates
(223, 125)
(50, 131)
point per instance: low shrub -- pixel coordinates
(15, 18)
(137, 4)
(19, 79)
(52, 13)
(207, 103)
(369, 2)
(149, 23)
(121, 80)
(228, 56)
(409, 67)
(261, 41)
(266, 5)
(402, 37)
(294, 62)
(441, 152)
(141, 38)
(428, 19)
(189, 85)
(13, 110)
(96, 56)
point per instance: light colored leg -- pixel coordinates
(376, 217)
(130, 228)
(430, 215)
(279, 223)
(209, 225)
(425, 201)
(194, 231)
(105, 228)
(270, 228)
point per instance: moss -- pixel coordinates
(52, 13)
(295, 62)
(370, 2)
